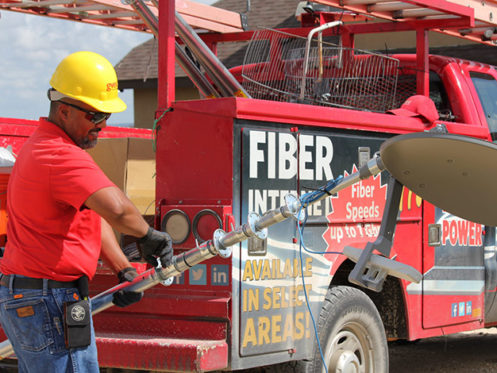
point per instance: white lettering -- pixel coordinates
(324, 155)
(279, 153)
(256, 155)
(361, 191)
(306, 141)
(260, 200)
(273, 196)
(287, 159)
(362, 212)
(271, 156)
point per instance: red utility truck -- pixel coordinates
(304, 111)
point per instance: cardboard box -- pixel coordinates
(130, 164)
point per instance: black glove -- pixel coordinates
(156, 245)
(124, 298)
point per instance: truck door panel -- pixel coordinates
(483, 84)
(453, 281)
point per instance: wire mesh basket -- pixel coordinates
(277, 67)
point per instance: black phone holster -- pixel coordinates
(77, 319)
(77, 328)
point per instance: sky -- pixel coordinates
(32, 46)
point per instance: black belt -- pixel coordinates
(35, 283)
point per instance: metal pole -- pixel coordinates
(201, 82)
(307, 52)
(149, 278)
(223, 79)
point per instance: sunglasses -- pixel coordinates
(93, 116)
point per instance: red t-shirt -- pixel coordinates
(50, 233)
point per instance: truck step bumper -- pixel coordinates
(171, 354)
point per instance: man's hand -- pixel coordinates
(156, 245)
(124, 298)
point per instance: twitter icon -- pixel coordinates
(198, 275)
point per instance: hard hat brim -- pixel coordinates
(115, 105)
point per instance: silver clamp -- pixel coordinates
(294, 207)
(252, 220)
(166, 281)
(224, 252)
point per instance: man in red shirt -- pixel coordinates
(61, 210)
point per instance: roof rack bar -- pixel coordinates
(40, 4)
(362, 2)
(77, 9)
(489, 34)
(416, 13)
(441, 17)
(128, 22)
(389, 6)
(111, 15)
(477, 30)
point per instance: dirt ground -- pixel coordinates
(466, 352)
(474, 351)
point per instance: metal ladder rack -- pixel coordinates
(120, 13)
(474, 20)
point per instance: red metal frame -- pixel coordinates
(166, 65)
(423, 74)
(119, 14)
(443, 6)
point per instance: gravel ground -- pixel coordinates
(474, 351)
(466, 352)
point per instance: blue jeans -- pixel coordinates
(33, 322)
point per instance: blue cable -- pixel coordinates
(301, 234)
(312, 197)
(301, 244)
(306, 200)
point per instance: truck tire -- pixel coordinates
(351, 334)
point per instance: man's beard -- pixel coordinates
(86, 143)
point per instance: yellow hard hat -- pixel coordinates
(90, 78)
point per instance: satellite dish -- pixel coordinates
(456, 173)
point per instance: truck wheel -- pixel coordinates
(351, 334)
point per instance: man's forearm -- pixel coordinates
(111, 252)
(111, 204)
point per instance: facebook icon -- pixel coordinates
(454, 309)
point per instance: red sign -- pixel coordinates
(356, 214)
